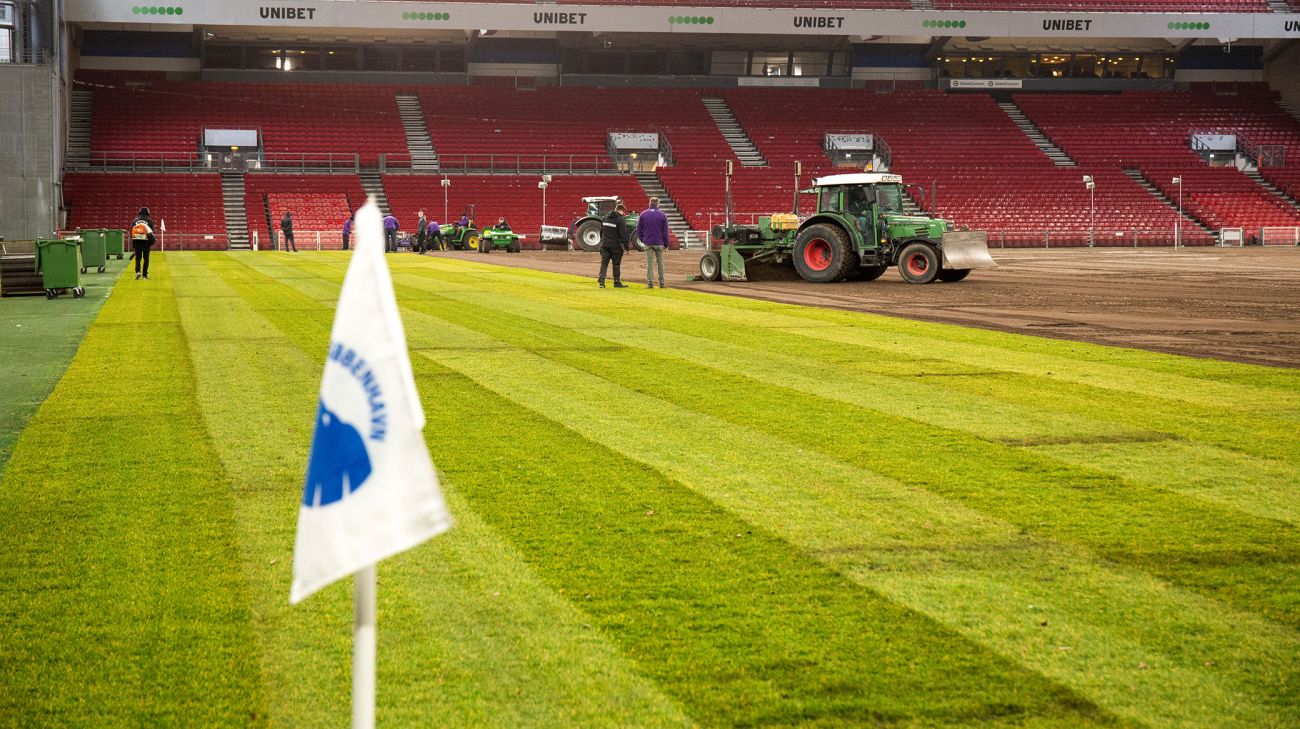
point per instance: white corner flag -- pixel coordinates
(370, 490)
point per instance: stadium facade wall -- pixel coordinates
(28, 193)
(1282, 76)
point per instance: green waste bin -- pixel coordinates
(93, 252)
(59, 263)
(115, 243)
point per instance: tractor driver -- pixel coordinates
(502, 224)
(859, 205)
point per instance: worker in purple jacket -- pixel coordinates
(652, 230)
(390, 232)
(347, 232)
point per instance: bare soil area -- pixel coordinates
(1239, 304)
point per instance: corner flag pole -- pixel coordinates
(363, 649)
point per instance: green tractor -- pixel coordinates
(462, 237)
(586, 230)
(504, 239)
(858, 232)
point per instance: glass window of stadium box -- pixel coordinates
(378, 57)
(1119, 64)
(342, 58)
(417, 58)
(769, 64)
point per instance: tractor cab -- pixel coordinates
(872, 204)
(599, 207)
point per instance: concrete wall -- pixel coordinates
(28, 196)
(1280, 72)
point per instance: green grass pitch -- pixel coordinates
(673, 509)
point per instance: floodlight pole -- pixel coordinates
(1178, 223)
(1092, 210)
(446, 185)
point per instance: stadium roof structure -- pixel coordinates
(310, 16)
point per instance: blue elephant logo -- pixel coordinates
(339, 463)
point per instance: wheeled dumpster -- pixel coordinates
(59, 263)
(93, 253)
(114, 243)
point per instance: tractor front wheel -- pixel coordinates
(587, 235)
(952, 275)
(710, 266)
(822, 254)
(515, 247)
(918, 263)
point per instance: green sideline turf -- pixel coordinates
(37, 340)
(672, 509)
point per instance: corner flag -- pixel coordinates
(370, 490)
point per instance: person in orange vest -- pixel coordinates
(142, 240)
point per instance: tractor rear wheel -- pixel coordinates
(822, 254)
(918, 263)
(710, 266)
(472, 243)
(952, 275)
(587, 235)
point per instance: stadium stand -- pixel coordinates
(1150, 131)
(294, 119)
(319, 203)
(189, 205)
(1287, 179)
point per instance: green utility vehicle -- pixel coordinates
(586, 230)
(858, 231)
(462, 237)
(505, 239)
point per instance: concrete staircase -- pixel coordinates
(1288, 108)
(922, 5)
(1040, 140)
(1277, 191)
(1136, 176)
(741, 145)
(232, 199)
(374, 187)
(79, 125)
(654, 187)
(1279, 6)
(424, 158)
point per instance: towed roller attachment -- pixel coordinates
(554, 236)
(966, 250)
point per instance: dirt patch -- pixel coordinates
(1238, 304)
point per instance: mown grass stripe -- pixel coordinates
(742, 628)
(1262, 488)
(1105, 654)
(121, 590)
(38, 339)
(468, 635)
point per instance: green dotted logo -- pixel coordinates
(1189, 26)
(943, 24)
(691, 20)
(157, 10)
(426, 16)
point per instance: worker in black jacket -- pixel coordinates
(613, 243)
(142, 239)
